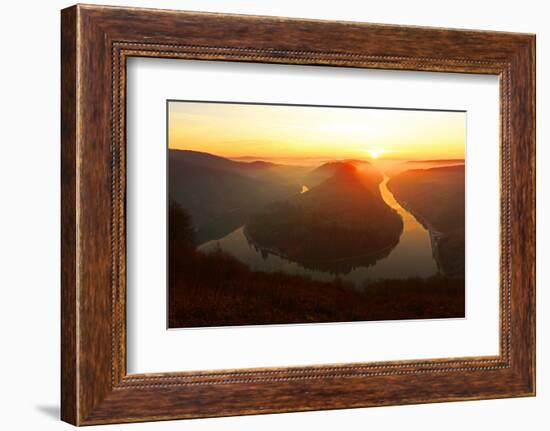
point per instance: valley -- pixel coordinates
(256, 241)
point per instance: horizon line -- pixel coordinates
(336, 158)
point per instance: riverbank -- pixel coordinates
(435, 235)
(435, 197)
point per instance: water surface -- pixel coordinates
(411, 257)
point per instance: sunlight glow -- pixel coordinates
(266, 132)
(375, 152)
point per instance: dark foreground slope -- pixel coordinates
(340, 223)
(215, 289)
(436, 198)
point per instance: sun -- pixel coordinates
(375, 152)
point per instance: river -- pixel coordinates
(411, 257)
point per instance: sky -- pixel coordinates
(276, 132)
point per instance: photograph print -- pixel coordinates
(293, 214)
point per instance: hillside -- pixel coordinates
(436, 197)
(219, 193)
(337, 225)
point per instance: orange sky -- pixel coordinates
(271, 131)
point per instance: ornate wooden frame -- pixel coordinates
(96, 41)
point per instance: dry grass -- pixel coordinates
(216, 289)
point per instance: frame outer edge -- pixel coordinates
(533, 53)
(69, 196)
(88, 397)
(532, 79)
(523, 216)
(529, 61)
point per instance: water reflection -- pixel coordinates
(411, 257)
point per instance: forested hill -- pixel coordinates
(338, 224)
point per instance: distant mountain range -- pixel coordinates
(211, 161)
(398, 168)
(441, 161)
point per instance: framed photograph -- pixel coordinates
(263, 215)
(314, 228)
